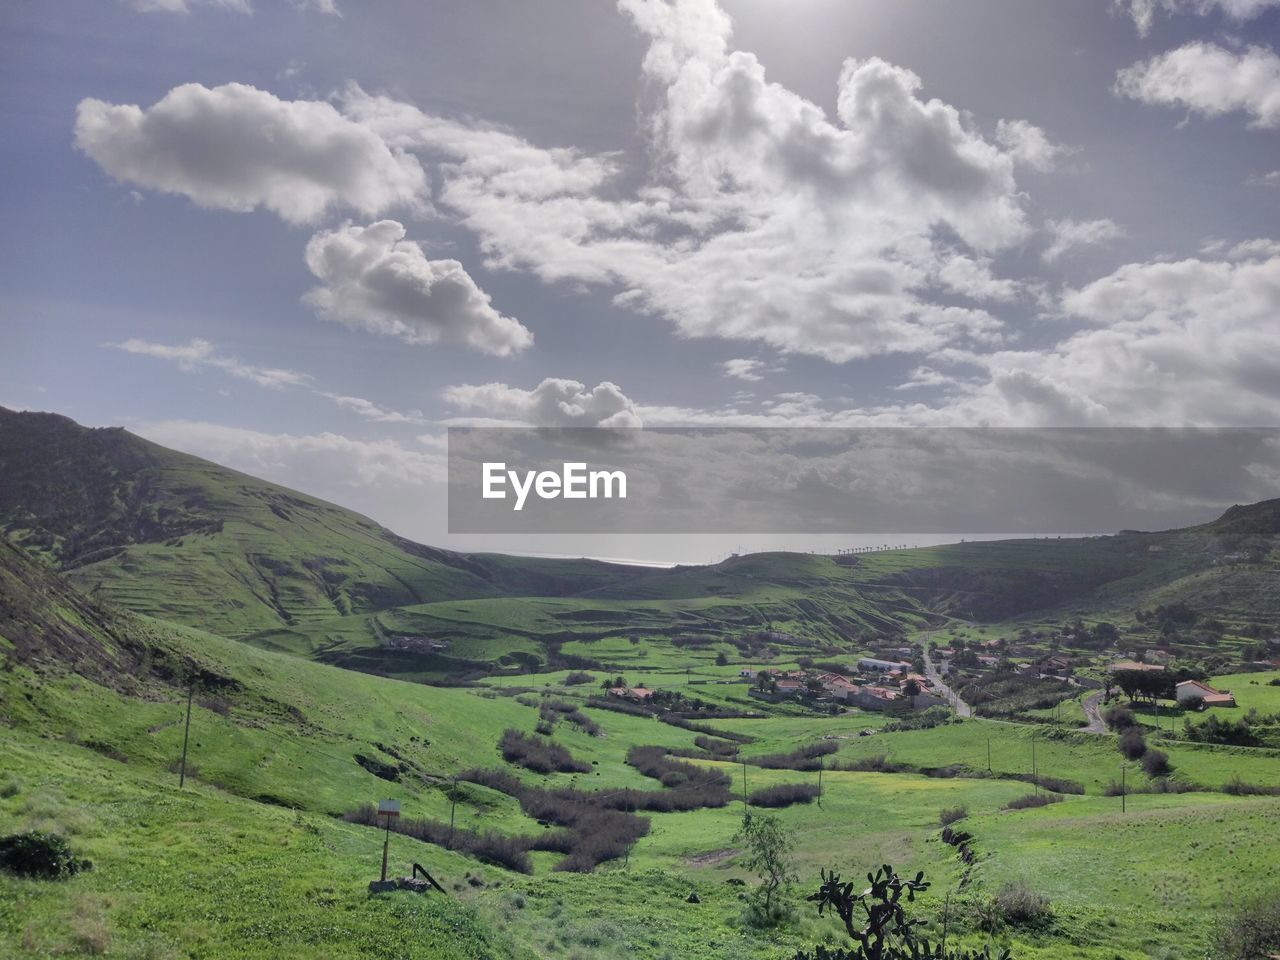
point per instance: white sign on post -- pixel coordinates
(388, 808)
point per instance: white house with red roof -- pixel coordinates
(1190, 690)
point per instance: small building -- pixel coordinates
(638, 694)
(875, 698)
(837, 686)
(1056, 665)
(1133, 665)
(746, 673)
(1189, 690)
(874, 665)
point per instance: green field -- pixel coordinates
(334, 664)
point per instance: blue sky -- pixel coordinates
(301, 238)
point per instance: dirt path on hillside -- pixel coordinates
(1093, 710)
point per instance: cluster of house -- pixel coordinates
(895, 687)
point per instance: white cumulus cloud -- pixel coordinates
(374, 279)
(1208, 79)
(760, 216)
(1029, 145)
(235, 147)
(554, 402)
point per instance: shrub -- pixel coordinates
(950, 815)
(1156, 764)
(45, 856)
(784, 794)
(874, 764)
(1060, 785)
(1120, 718)
(1239, 788)
(1033, 800)
(803, 758)
(720, 748)
(539, 755)
(1133, 743)
(499, 849)
(1249, 929)
(577, 678)
(1019, 906)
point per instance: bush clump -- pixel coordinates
(1133, 744)
(1156, 764)
(950, 815)
(539, 755)
(44, 856)
(1120, 718)
(1033, 800)
(784, 794)
(803, 758)
(1019, 906)
(1249, 929)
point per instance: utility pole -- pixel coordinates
(988, 754)
(453, 807)
(744, 785)
(1035, 775)
(186, 734)
(820, 766)
(1123, 787)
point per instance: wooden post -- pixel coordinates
(988, 754)
(744, 784)
(186, 734)
(386, 844)
(820, 766)
(1123, 787)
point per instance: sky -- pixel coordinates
(304, 237)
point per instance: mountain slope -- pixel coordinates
(174, 536)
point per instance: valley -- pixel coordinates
(332, 664)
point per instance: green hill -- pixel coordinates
(185, 540)
(251, 854)
(171, 535)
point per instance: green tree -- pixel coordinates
(769, 845)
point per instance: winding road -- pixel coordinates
(935, 678)
(1093, 711)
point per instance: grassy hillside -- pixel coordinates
(174, 536)
(249, 857)
(188, 541)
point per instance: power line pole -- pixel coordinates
(453, 807)
(1035, 775)
(820, 766)
(744, 785)
(186, 734)
(1123, 787)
